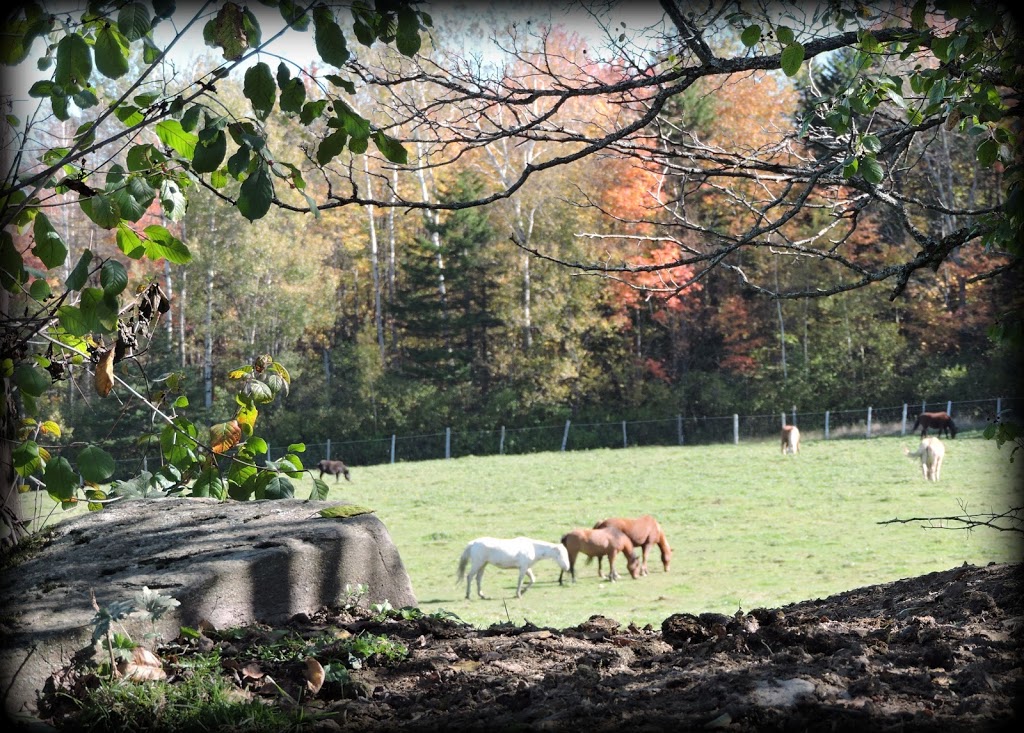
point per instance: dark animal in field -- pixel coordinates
(790, 439)
(600, 543)
(940, 421)
(644, 532)
(337, 468)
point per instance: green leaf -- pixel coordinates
(210, 151)
(390, 148)
(172, 200)
(407, 39)
(30, 380)
(113, 277)
(228, 31)
(133, 197)
(26, 458)
(260, 90)
(12, 267)
(871, 143)
(259, 392)
(129, 242)
(785, 34)
(791, 59)
(988, 152)
(751, 35)
(331, 146)
(40, 290)
(256, 194)
(74, 62)
(328, 37)
(210, 484)
(102, 209)
(76, 280)
(172, 134)
(278, 487)
(293, 96)
(60, 479)
(161, 244)
(134, 22)
(320, 490)
(96, 465)
(111, 49)
(872, 170)
(49, 247)
(343, 511)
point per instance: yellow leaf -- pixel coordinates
(104, 380)
(314, 675)
(144, 666)
(224, 436)
(344, 510)
(51, 427)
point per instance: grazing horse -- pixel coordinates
(600, 543)
(644, 532)
(520, 552)
(932, 453)
(941, 421)
(790, 439)
(333, 467)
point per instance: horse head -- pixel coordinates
(632, 562)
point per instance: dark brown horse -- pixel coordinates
(337, 468)
(940, 421)
(600, 543)
(644, 532)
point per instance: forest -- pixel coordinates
(432, 288)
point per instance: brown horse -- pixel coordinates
(790, 439)
(941, 421)
(644, 532)
(600, 543)
(337, 468)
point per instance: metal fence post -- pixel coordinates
(625, 444)
(949, 407)
(328, 456)
(869, 424)
(501, 443)
(392, 447)
(679, 428)
(903, 427)
(447, 443)
(826, 424)
(565, 435)
(794, 414)
(735, 429)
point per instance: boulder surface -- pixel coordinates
(227, 564)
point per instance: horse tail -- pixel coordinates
(463, 562)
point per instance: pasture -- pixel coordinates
(748, 526)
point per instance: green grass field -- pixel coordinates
(748, 526)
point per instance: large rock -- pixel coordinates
(226, 563)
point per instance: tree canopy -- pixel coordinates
(797, 151)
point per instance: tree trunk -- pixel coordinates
(378, 316)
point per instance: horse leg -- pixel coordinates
(644, 549)
(612, 575)
(520, 590)
(479, 577)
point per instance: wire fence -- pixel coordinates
(868, 422)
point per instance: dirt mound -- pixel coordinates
(935, 653)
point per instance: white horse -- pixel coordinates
(790, 439)
(521, 552)
(932, 453)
